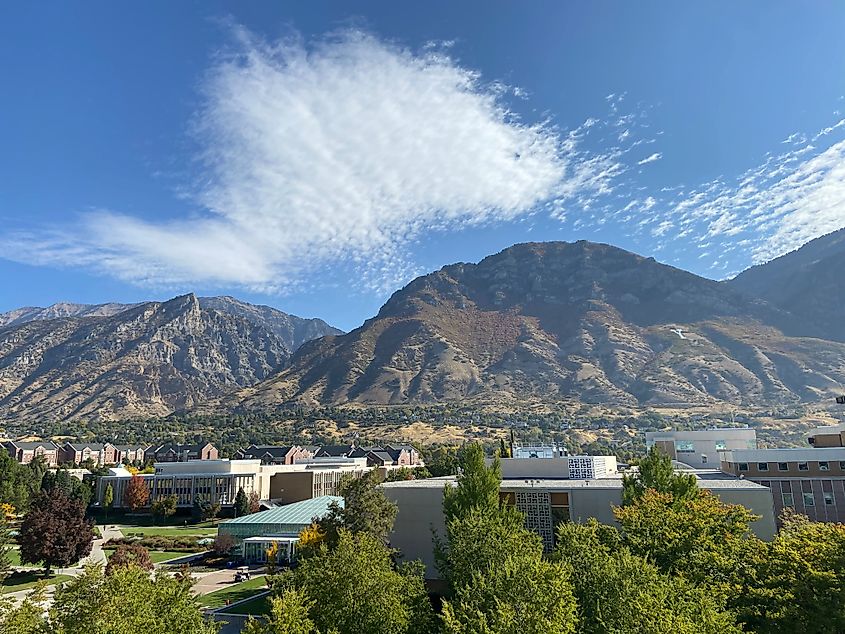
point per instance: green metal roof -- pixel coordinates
(296, 513)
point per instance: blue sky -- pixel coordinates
(316, 156)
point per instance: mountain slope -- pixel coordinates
(560, 320)
(808, 282)
(292, 330)
(146, 360)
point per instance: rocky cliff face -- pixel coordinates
(559, 320)
(808, 282)
(149, 359)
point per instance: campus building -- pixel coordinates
(220, 480)
(700, 448)
(254, 534)
(809, 480)
(77, 453)
(562, 467)
(546, 502)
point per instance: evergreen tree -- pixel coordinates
(5, 539)
(241, 503)
(108, 498)
(365, 510)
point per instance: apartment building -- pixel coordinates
(700, 448)
(26, 452)
(129, 454)
(77, 453)
(174, 452)
(271, 454)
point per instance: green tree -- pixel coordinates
(28, 617)
(289, 614)
(522, 594)
(365, 510)
(355, 588)
(241, 503)
(5, 539)
(477, 484)
(620, 592)
(127, 601)
(796, 582)
(164, 507)
(656, 472)
(108, 498)
(685, 535)
(71, 486)
(18, 482)
(55, 531)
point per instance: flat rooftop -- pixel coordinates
(707, 479)
(801, 454)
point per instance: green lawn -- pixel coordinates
(259, 606)
(15, 558)
(234, 592)
(157, 556)
(26, 580)
(168, 531)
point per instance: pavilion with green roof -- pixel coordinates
(254, 533)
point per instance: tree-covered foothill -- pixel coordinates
(55, 531)
(127, 601)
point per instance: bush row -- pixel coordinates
(159, 542)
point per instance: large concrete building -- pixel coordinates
(219, 480)
(700, 448)
(562, 467)
(547, 502)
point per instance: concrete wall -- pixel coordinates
(292, 487)
(529, 468)
(420, 512)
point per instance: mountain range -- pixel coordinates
(536, 322)
(115, 361)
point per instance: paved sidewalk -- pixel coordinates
(206, 582)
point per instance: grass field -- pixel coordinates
(157, 556)
(235, 592)
(27, 580)
(259, 606)
(15, 558)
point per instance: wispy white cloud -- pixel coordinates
(771, 209)
(651, 158)
(340, 151)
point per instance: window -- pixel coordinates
(684, 446)
(743, 466)
(783, 466)
(721, 445)
(788, 500)
(703, 459)
(842, 465)
(802, 466)
(828, 499)
(824, 465)
(762, 466)
(809, 500)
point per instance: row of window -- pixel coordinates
(824, 465)
(808, 498)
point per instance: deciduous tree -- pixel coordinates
(136, 494)
(289, 614)
(355, 588)
(164, 507)
(477, 484)
(655, 471)
(366, 510)
(55, 531)
(129, 555)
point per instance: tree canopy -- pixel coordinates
(655, 471)
(55, 531)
